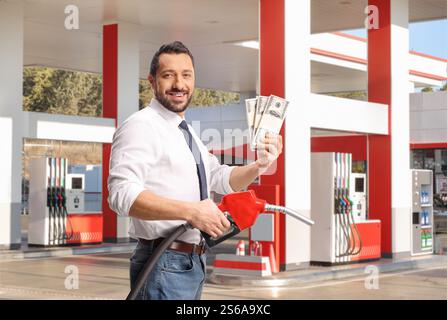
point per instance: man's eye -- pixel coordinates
(187, 75)
(167, 75)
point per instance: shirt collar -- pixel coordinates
(168, 115)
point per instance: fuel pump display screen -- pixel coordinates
(359, 185)
(76, 183)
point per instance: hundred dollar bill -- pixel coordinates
(261, 103)
(272, 118)
(250, 107)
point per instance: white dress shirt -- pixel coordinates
(149, 152)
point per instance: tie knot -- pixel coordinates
(183, 125)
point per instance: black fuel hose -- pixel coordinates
(70, 237)
(152, 261)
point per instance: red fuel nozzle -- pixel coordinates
(243, 207)
(242, 210)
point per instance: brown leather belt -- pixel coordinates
(176, 246)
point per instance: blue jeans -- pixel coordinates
(176, 276)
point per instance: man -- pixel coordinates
(161, 175)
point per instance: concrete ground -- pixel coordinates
(105, 276)
(47, 274)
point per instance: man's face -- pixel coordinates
(173, 84)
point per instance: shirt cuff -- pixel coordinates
(122, 198)
(226, 180)
(132, 194)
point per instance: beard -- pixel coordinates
(169, 105)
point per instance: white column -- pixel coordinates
(128, 70)
(297, 130)
(11, 123)
(400, 129)
(128, 89)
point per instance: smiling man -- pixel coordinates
(174, 85)
(161, 175)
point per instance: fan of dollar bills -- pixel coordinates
(264, 114)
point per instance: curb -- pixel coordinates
(335, 273)
(60, 252)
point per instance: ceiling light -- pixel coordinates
(252, 44)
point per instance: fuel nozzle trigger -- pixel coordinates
(232, 231)
(241, 210)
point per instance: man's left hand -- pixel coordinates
(268, 150)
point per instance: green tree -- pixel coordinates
(80, 93)
(355, 95)
(146, 93)
(427, 89)
(60, 91)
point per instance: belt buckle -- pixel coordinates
(194, 248)
(202, 247)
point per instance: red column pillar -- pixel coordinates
(379, 147)
(272, 81)
(109, 110)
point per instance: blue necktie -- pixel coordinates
(198, 158)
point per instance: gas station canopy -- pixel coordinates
(210, 28)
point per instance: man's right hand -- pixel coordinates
(208, 218)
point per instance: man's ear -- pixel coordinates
(151, 81)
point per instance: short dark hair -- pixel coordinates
(174, 47)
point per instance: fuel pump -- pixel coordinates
(337, 236)
(352, 243)
(240, 208)
(48, 212)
